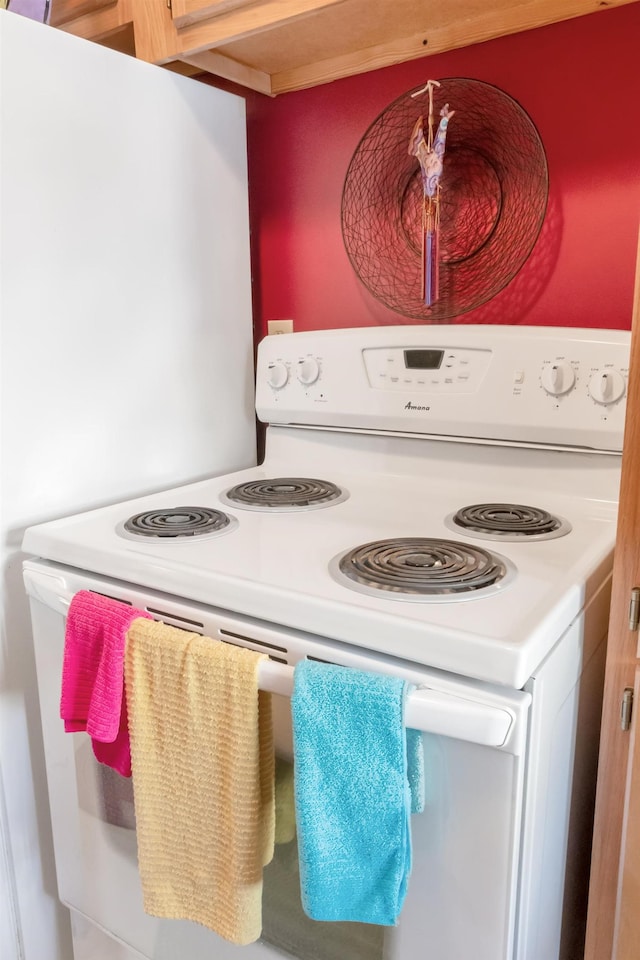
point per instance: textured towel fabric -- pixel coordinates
(203, 778)
(352, 794)
(415, 768)
(93, 675)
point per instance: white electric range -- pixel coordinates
(437, 502)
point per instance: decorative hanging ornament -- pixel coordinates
(429, 152)
(491, 206)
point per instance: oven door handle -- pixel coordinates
(427, 708)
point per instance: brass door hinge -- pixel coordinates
(634, 609)
(626, 708)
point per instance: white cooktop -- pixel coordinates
(274, 566)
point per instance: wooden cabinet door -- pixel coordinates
(614, 845)
(628, 921)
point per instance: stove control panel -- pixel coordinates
(534, 385)
(448, 370)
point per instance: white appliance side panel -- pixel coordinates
(9, 928)
(126, 302)
(90, 942)
(560, 789)
(462, 888)
(127, 357)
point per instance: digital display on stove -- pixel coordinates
(423, 359)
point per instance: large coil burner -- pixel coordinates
(177, 523)
(423, 569)
(284, 493)
(507, 522)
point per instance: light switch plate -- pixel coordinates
(279, 326)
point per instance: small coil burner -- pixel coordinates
(423, 569)
(177, 523)
(508, 522)
(284, 493)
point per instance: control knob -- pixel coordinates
(277, 374)
(308, 371)
(558, 378)
(606, 386)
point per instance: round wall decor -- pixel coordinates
(494, 191)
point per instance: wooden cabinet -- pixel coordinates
(613, 925)
(109, 22)
(186, 12)
(275, 46)
(64, 11)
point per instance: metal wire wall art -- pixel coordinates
(492, 198)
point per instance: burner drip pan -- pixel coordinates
(177, 523)
(508, 522)
(284, 493)
(422, 569)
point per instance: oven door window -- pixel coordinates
(285, 925)
(462, 888)
(462, 896)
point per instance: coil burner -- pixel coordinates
(507, 522)
(284, 493)
(423, 569)
(177, 523)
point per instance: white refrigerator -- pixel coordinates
(126, 349)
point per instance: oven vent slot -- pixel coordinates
(99, 593)
(177, 626)
(258, 643)
(320, 660)
(233, 637)
(242, 646)
(164, 616)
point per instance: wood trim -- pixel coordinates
(102, 22)
(120, 39)
(628, 922)
(489, 25)
(211, 62)
(620, 673)
(198, 26)
(186, 12)
(158, 39)
(64, 10)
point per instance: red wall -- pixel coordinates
(580, 83)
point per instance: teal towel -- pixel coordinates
(415, 769)
(353, 792)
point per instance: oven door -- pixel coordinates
(462, 896)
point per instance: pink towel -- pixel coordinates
(93, 675)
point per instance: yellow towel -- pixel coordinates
(203, 777)
(285, 804)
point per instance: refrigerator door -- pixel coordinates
(126, 302)
(127, 355)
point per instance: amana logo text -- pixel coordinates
(414, 406)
